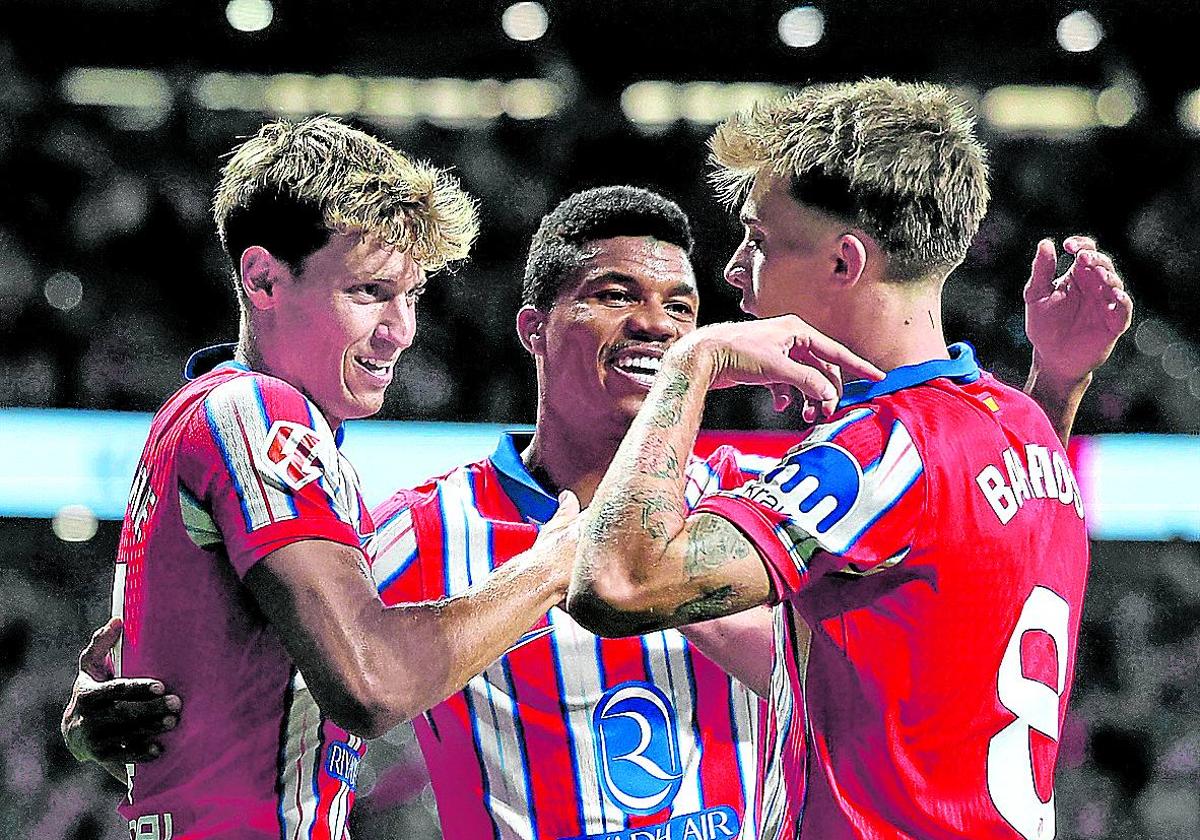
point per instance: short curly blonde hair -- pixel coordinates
(290, 185)
(899, 160)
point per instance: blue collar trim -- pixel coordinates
(961, 366)
(534, 503)
(221, 357)
(208, 359)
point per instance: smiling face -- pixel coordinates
(335, 330)
(601, 343)
(787, 254)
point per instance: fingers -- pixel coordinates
(812, 383)
(812, 346)
(92, 659)
(136, 690)
(1041, 274)
(568, 505)
(1074, 244)
(128, 750)
(781, 397)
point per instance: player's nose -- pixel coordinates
(398, 326)
(651, 321)
(737, 271)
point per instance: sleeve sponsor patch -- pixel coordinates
(295, 454)
(827, 493)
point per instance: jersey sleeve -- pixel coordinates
(396, 569)
(849, 498)
(724, 469)
(261, 463)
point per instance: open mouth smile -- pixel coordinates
(639, 366)
(380, 369)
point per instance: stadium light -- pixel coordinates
(801, 27)
(1079, 32)
(525, 21)
(116, 88)
(1116, 106)
(74, 523)
(1189, 112)
(249, 15)
(63, 291)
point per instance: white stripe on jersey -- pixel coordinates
(579, 669)
(232, 408)
(297, 800)
(395, 547)
(118, 611)
(882, 486)
(670, 671)
(774, 805)
(490, 694)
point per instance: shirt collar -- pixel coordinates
(208, 359)
(533, 502)
(961, 366)
(222, 357)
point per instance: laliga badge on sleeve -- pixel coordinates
(293, 453)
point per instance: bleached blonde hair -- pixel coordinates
(898, 160)
(291, 184)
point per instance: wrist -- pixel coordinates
(1061, 384)
(695, 357)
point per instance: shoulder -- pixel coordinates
(425, 496)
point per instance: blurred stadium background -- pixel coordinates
(113, 115)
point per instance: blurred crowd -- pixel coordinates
(111, 272)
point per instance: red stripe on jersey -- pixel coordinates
(444, 734)
(715, 720)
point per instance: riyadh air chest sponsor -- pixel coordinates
(640, 766)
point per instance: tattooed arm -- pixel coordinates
(641, 563)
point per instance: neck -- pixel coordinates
(894, 325)
(562, 457)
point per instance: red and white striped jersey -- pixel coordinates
(237, 465)
(567, 735)
(928, 552)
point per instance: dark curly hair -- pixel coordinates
(559, 248)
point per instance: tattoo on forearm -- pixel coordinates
(661, 463)
(669, 411)
(712, 604)
(712, 542)
(652, 506)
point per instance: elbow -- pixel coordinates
(610, 608)
(365, 710)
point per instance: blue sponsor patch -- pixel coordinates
(637, 747)
(341, 762)
(823, 474)
(719, 823)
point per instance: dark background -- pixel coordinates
(119, 199)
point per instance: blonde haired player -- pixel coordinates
(923, 548)
(242, 578)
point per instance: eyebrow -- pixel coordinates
(680, 288)
(747, 219)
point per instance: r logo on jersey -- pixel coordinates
(816, 486)
(293, 453)
(637, 747)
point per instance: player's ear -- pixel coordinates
(851, 260)
(260, 273)
(530, 325)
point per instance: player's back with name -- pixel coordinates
(237, 464)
